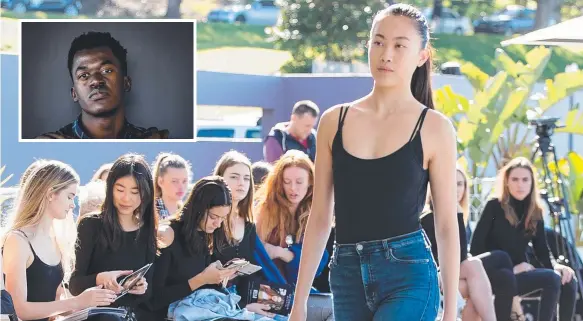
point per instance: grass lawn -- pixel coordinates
(217, 35)
(478, 49)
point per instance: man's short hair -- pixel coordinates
(92, 39)
(306, 106)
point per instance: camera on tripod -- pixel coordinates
(554, 203)
(545, 126)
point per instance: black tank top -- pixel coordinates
(378, 198)
(42, 280)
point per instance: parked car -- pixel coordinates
(69, 7)
(450, 22)
(260, 12)
(513, 19)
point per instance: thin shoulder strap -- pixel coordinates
(18, 231)
(343, 112)
(419, 123)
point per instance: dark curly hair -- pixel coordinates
(92, 39)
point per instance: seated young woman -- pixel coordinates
(171, 176)
(121, 238)
(38, 246)
(188, 241)
(474, 286)
(512, 220)
(282, 212)
(235, 169)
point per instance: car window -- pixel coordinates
(267, 3)
(217, 132)
(253, 133)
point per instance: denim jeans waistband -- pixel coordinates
(418, 236)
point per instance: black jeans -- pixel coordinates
(498, 267)
(548, 284)
(505, 285)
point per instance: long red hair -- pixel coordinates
(274, 219)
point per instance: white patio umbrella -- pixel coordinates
(567, 33)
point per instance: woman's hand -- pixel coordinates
(284, 254)
(140, 287)
(565, 272)
(261, 309)
(109, 279)
(213, 275)
(96, 296)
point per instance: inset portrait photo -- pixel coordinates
(107, 79)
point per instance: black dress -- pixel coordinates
(93, 258)
(173, 268)
(242, 250)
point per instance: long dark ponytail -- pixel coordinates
(421, 80)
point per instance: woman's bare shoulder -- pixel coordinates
(165, 235)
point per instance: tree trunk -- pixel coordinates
(547, 11)
(173, 11)
(437, 8)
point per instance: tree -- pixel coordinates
(491, 126)
(324, 29)
(173, 10)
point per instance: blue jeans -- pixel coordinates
(391, 279)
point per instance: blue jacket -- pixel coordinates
(273, 274)
(209, 304)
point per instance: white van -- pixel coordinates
(222, 129)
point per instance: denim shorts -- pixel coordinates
(390, 279)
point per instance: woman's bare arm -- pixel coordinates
(15, 257)
(320, 220)
(441, 139)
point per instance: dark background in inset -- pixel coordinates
(160, 62)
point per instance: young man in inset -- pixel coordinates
(98, 68)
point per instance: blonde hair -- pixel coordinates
(48, 177)
(91, 198)
(274, 220)
(464, 203)
(102, 170)
(534, 212)
(161, 164)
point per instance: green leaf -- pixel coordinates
(576, 175)
(6, 179)
(466, 130)
(450, 103)
(504, 62)
(563, 85)
(573, 122)
(517, 98)
(484, 97)
(475, 75)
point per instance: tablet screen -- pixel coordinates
(131, 280)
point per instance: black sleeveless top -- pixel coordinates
(42, 280)
(378, 198)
